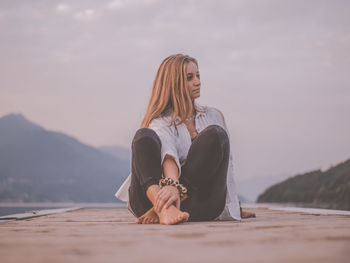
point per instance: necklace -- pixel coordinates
(193, 133)
(189, 118)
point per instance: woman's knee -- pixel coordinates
(217, 134)
(146, 136)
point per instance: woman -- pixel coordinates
(181, 162)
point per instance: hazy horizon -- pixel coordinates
(278, 70)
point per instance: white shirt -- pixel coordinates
(176, 141)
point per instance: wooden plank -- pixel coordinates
(104, 235)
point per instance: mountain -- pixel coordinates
(39, 165)
(328, 189)
(117, 151)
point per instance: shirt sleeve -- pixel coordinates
(168, 140)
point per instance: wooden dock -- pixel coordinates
(110, 235)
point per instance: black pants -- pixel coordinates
(204, 172)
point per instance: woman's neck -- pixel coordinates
(169, 111)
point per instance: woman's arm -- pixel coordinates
(170, 169)
(168, 195)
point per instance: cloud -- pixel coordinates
(236, 55)
(150, 2)
(64, 58)
(272, 63)
(327, 61)
(120, 4)
(345, 39)
(63, 8)
(116, 4)
(86, 15)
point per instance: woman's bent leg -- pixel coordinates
(204, 174)
(146, 169)
(146, 172)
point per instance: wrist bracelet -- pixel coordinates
(168, 181)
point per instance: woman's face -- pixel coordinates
(193, 80)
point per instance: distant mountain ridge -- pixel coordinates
(328, 189)
(117, 151)
(39, 165)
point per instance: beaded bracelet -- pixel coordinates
(168, 181)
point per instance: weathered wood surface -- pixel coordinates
(110, 235)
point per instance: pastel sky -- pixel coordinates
(278, 70)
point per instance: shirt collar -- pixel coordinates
(201, 111)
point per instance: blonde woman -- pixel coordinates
(181, 161)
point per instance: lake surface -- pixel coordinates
(16, 208)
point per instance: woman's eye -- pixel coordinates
(189, 77)
(198, 76)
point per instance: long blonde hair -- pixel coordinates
(170, 94)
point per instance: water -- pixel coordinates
(298, 207)
(16, 208)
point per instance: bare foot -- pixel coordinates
(172, 215)
(246, 214)
(150, 217)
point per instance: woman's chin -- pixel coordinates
(195, 96)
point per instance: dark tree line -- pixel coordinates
(328, 189)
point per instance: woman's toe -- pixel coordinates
(185, 215)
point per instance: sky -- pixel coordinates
(278, 70)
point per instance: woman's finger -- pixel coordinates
(158, 203)
(156, 206)
(163, 196)
(170, 201)
(159, 193)
(178, 202)
(161, 203)
(159, 196)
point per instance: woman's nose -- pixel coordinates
(197, 81)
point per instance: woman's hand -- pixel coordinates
(167, 196)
